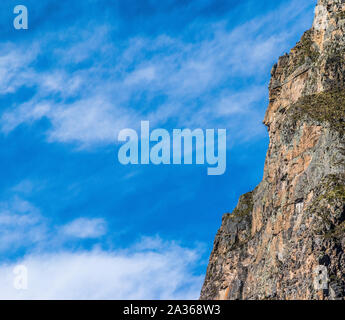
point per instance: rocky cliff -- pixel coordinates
(286, 239)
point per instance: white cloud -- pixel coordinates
(21, 224)
(85, 228)
(240, 102)
(28, 112)
(93, 104)
(90, 121)
(162, 271)
(15, 67)
(150, 269)
(24, 227)
(145, 74)
(25, 186)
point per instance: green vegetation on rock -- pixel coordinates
(244, 207)
(341, 15)
(322, 107)
(332, 196)
(307, 49)
(337, 232)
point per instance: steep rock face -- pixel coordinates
(286, 239)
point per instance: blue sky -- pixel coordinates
(84, 225)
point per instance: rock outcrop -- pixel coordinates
(286, 239)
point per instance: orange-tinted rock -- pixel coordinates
(286, 239)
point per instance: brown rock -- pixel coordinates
(286, 239)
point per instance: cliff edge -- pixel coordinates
(286, 239)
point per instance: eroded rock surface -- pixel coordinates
(286, 239)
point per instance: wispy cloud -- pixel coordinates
(15, 68)
(24, 227)
(85, 228)
(21, 225)
(163, 79)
